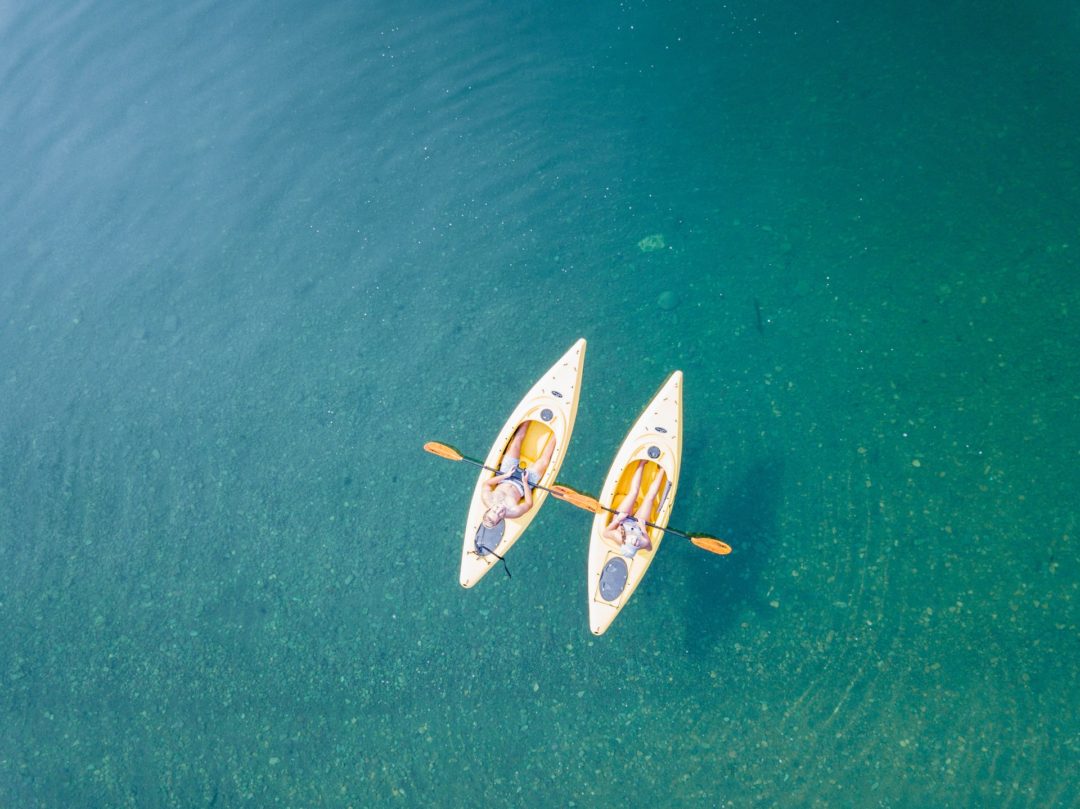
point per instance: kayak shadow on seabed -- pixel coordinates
(717, 593)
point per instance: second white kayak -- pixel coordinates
(655, 439)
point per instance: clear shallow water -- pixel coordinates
(254, 256)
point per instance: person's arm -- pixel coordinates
(495, 480)
(516, 511)
(527, 503)
(612, 530)
(486, 492)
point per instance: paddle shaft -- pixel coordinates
(580, 500)
(651, 524)
(677, 532)
(475, 462)
(594, 505)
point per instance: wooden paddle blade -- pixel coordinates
(443, 451)
(568, 495)
(712, 545)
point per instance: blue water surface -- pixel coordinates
(254, 255)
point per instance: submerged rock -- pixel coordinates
(652, 243)
(668, 300)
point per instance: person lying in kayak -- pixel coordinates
(509, 493)
(626, 530)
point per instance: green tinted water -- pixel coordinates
(254, 256)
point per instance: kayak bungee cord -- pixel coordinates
(502, 559)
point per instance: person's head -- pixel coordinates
(494, 515)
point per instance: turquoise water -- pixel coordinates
(254, 255)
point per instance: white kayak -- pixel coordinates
(656, 438)
(549, 408)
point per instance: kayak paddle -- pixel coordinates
(451, 454)
(583, 501)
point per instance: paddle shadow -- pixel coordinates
(720, 588)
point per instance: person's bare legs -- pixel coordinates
(644, 511)
(627, 504)
(541, 465)
(514, 450)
